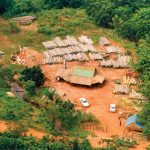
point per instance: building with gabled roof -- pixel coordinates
(80, 75)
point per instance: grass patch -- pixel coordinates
(14, 109)
(78, 133)
(55, 22)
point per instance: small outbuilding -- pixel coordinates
(132, 123)
(17, 90)
(25, 20)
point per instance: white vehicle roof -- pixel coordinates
(113, 105)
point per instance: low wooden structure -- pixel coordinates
(59, 43)
(122, 62)
(69, 49)
(25, 19)
(80, 75)
(107, 63)
(85, 40)
(96, 56)
(121, 89)
(104, 41)
(17, 90)
(112, 49)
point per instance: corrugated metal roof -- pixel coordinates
(133, 120)
(83, 72)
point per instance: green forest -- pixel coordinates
(127, 19)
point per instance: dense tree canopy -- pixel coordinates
(101, 12)
(138, 26)
(34, 74)
(130, 18)
(144, 118)
(143, 67)
(15, 7)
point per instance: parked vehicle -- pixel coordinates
(113, 108)
(84, 102)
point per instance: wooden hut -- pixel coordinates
(80, 75)
(25, 19)
(16, 89)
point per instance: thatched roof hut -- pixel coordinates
(80, 75)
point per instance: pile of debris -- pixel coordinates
(129, 80)
(135, 95)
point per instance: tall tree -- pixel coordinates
(5, 5)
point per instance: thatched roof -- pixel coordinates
(80, 75)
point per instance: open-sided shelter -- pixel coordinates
(132, 123)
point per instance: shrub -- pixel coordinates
(45, 30)
(30, 87)
(13, 27)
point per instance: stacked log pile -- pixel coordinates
(122, 62)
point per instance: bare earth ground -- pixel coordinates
(30, 27)
(99, 98)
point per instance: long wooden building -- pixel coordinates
(80, 75)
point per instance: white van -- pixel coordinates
(113, 108)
